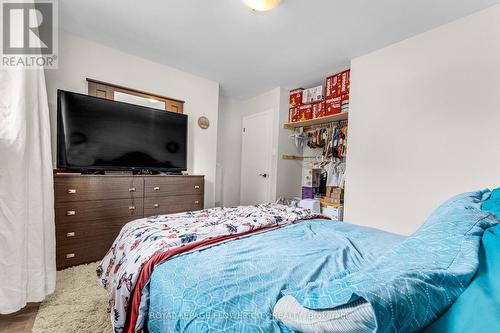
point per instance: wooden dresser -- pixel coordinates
(91, 210)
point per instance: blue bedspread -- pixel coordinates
(412, 285)
(233, 287)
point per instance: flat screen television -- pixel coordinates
(100, 134)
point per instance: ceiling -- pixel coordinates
(248, 53)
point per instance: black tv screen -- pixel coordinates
(101, 134)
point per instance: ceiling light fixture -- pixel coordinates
(261, 5)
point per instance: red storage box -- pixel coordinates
(345, 82)
(293, 115)
(333, 86)
(306, 112)
(333, 105)
(319, 110)
(296, 97)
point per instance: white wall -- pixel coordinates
(229, 151)
(80, 59)
(424, 123)
(285, 175)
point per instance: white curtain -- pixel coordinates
(27, 241)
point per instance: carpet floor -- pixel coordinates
(79, 304)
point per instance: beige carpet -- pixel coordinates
(79, 304)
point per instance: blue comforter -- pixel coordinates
(233, 287)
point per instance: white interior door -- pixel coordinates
(256, 152)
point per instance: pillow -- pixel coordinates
(415, 282)
(492, 204)
(353, 317)
(481, 297)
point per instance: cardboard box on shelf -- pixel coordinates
(335, 192)
(333, 201)
(344, 104)
(333, 86)
(312, 95)
(345, 82)
(305, 112)
(296, 97)
(293, 115)
(319, 110)
(332, 106)
(345, 98)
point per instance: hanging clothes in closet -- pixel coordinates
(333, 140)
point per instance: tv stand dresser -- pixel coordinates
(90, 210)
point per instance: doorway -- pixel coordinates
(256, 156)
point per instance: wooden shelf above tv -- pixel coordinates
(318, 121)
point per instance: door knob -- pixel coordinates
(264, 175)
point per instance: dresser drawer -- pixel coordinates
(97, 210)
(173, 204)
(173, 185)
(81, 188)
(81, 242)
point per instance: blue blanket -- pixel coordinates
(233, 287)
(415, 282)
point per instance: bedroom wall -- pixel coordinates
(229, 151)
(80, 59)
(285, 175)
(424, 123)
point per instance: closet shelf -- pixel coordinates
(317, 121)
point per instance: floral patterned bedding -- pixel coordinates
(141, 240)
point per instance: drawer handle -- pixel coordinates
(71, 213)
(70, 234)
(131, 208)
(70, 255)
(156, 205)
(197, 186)
(156, 188)
(196, 202)
(132, 189)
(71, 190)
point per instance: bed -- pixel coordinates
(227, 269)
(233, 287)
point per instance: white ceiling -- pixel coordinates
(297, 43)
